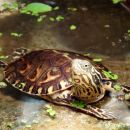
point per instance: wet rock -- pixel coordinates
(7, 2)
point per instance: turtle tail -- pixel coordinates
(3, 64)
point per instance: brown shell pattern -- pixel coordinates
(42, 72)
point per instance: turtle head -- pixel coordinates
(83, 68)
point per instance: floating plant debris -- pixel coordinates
(56, 8)
(52, 19)
(36, 9)
(73, 27)
(1, 34)
(2, 57)
(72, 9)
(40, 18)
(51, 112)
(110, 75)
(59, 18)
(117, 1)
(15, 34)
(97, 59)
(78, 104)
(117, 87)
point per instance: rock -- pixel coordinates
(6, 1)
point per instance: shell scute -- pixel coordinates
(44, 72)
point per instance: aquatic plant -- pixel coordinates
(128, 32)
(51, 112)
(97, 59)
(3, 57)
(117, 87)
(1, 34)
(110, 75)
(59, 18)
(73, 27)
(117, 1)
(15, 34)
(36, 9)
(41, 18)
(78, 104)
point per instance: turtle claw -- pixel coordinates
(99, 113)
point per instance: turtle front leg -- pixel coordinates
(88, 109)
(66, 99)
(122, 91)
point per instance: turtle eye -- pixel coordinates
(86, 65)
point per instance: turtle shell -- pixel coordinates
(42, 72)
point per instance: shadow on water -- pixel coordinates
(101, 29)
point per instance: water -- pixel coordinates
(101, 31)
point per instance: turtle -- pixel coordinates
(60, 77)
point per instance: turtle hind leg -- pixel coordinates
(19, 52)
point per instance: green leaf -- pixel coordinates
(52, 19)
(117, 1)
(110, 75)
(2, 57)
(59, 18)
(73, 27)
(36, 8)
(72, 9)
(117, 87)
(1, 34)
(56, 8)
(15, 34)
(78, 104)
(40, 19)
(97, 60)
(50, 111)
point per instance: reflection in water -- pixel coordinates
(30, 111)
